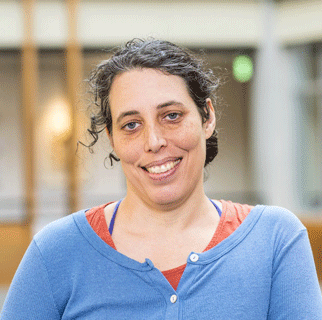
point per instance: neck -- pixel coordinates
(138, 214)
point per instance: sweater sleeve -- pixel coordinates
(295, 291)
(30, 296)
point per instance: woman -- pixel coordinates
(165, 251)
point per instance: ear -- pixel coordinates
(110, 138)
(210, 124)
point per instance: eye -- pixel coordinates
(131, 126)
(172, 115)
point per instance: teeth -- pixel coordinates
(163, 168)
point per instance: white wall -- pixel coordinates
(299, 21)
(210, 23)
(198, 23)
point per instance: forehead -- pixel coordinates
(137, 86)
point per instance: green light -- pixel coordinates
(242, 68)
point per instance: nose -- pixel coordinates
(154, 139)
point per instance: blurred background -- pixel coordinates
(269, 108)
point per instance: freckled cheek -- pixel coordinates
(128, 152)
(189, 138)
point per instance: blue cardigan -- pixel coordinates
(264, 270)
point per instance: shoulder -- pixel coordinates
(270, 221)
(276, 227)
(269, 215)
(58, 227)
(61, 234)
(279, 217)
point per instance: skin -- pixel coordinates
(155, 122)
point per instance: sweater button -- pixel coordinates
(194, 257)
(173, 298)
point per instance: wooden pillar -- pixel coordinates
(314, 228)
(15, 237)
(74, 79)
(29, 101)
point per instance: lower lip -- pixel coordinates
(164, 175)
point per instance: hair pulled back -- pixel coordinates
(154, 54)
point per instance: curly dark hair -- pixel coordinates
(154, 54)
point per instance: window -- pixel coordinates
(310, 125)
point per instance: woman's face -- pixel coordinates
(158, 135)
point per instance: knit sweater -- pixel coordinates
(263, 270)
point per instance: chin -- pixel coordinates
(165, 199)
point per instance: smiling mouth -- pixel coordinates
(163, 168)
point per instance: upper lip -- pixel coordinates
(161, 162)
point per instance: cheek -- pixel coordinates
(128, 152)
(191, 136)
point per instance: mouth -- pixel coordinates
(163, 168)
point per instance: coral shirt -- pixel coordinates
(232, 216)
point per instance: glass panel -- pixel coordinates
(310, 146)
(11, 158)
(230, 173)
(318, 137)
(52, 125)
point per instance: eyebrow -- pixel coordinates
(126, 113)
(159, 106)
